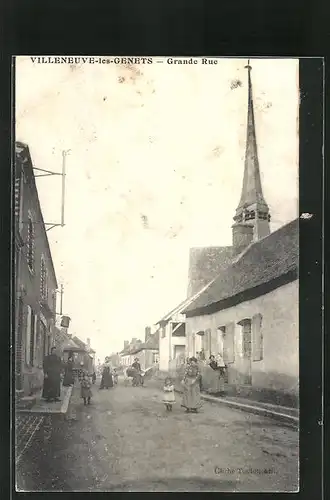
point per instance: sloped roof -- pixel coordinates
(205, 263)
(145, 346)
(182, 307)
(70, 344)
(261, 263)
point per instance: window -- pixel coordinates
(246, 325)
(30, 244)
(28, 336)
(221, 331)
(228, 343)
(18, 198)
(32, 338)
(206, 342)
(43, 280)
(257, 337)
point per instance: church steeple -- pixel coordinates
(252, 209)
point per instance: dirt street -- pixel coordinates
(126, 441)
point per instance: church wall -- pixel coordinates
(277, 374)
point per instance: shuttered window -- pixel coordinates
(28, 336)
(43, 280)
(246, 338)
(229, 343)
(18, 197)
(30, 244)
(206, 342)
(257, 337)
(32, 338)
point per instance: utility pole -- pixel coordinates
(64, 155)
(61, 303)
(46, 173)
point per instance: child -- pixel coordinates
(86, 391)
(169, 396)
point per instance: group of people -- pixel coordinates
(192, 384)
(54, 367)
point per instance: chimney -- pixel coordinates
(147, 333)
(242, 237)
(134, 341)
(126, 344)
(88, 343)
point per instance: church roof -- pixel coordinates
(262, 262)
(205, 263)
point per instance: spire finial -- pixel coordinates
(252, 207)
(248, 66)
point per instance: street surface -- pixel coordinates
(126, 441)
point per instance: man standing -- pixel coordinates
(52, 376)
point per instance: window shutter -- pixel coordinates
(17, 197)
(229, 343)
(28, 336)
(257, 337)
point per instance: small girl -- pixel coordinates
(169, 396)
(86, 389)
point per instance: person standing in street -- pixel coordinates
(191, 399)
(68, 372)
(137, 372)
(106, 380)
(52, 367)
(86, 388)
(222, 374)
(169, 396)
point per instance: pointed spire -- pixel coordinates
(252, 207)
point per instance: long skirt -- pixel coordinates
(86, 392)
(217, 382)
(68, 378)
(191, 399)
(106, 381)
(52, 386)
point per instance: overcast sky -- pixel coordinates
(156, 166)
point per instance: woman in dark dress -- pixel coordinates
(106, 380)
(68, 372)
(52, 376)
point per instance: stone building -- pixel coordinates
(35, 280)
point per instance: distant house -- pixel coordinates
(85, 354)
(126, 355)
(172, 335)
(147, 352)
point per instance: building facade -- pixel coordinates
(172, 338)
(35, 280)
(250, 316)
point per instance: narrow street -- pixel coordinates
(125, 441)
